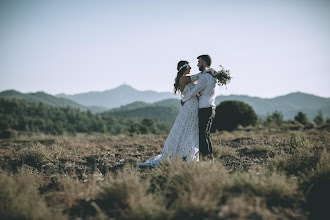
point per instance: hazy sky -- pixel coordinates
(271, 47)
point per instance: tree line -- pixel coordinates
(232, 114)
(20, 115)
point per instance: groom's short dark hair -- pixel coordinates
(206, 58)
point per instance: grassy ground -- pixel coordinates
(256, 175)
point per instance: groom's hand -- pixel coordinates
(213, 113)
(182, 103)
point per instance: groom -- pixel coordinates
(206, 89)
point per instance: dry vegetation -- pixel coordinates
(256, 175)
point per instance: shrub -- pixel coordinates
(241, 207)
(297, 143)
(260, 149)
(276, 189)
(319, 120)
(301, 118)
(190, 191)
(8, 133)
(316, 188)
(293, 126)
(224, 151)
(19, 199)
(34, 156)
(296, 157)
(201, 191)
(70, 190)
(146, 126)
(276, 117)
(230, 114)
(126, 197)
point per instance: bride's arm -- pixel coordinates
(202, 82)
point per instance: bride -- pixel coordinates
(183, 139)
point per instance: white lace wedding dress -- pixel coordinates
(183, 139)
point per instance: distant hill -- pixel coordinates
(48, 100)
(169, 102)
(135, 105)
(289, 104)
(117, 97)
(131, 106)
(125, 98)
(161, 113)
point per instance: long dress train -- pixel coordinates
(183, 139)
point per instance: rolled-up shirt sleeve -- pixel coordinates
(202, 82)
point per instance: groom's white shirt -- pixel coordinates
(205, 87)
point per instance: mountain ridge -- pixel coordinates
(130, 99)
(48, 99)
(121, 95)
(289, 104)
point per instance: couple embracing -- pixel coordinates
(190, 133)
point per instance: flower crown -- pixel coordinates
(183, 66)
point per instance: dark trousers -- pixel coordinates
(205, 118)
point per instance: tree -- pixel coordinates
(149, 125)
(319, 120)
(230, 114)
(301, 118)
(21, 115)
(276, 117)
(146, 126)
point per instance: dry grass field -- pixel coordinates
(257, 174)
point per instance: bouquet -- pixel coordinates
(223, 76)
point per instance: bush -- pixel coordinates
(8, 133)
(19, 199)
(298, 143)
(34, 156)
(224, 151)
(319, 120)
(260, 149)
(301, 118)
(296, 157)
(276, 117)
(126, 197)
(276, 189)
(189, 191)
(316, 188)
(230, 114)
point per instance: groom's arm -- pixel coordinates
(202, 82)
(195, 77)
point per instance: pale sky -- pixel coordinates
(271, 47)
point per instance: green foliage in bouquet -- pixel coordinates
(223, 76)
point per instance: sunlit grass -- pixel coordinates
(275, 176)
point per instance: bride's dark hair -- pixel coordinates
(179, 74)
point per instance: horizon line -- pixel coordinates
(124, 84)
